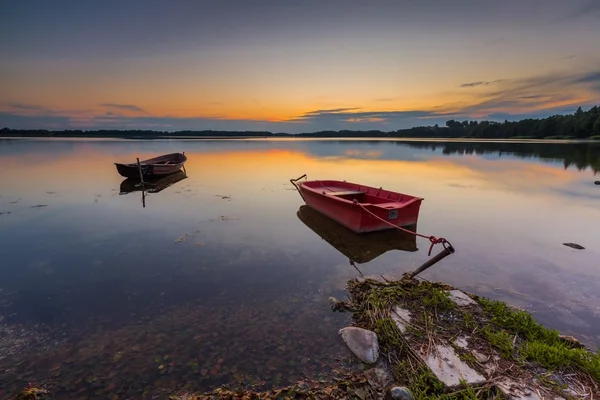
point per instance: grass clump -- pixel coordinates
(500, 340)
(539, 343)
(518, 322)
(440, 299)
(560, 355)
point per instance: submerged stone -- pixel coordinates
(398, 393)
(337, 305)
(460, 298)
(445, 364)
(379, 377)
(574, 246)
(362, 342)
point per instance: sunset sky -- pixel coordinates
(293, 66)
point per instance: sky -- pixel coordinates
(293, 66)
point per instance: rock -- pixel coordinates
(462, 342)
(460, 298)
(516, 390)
(574, 245)
(570, 340)
(482, 358)
(398, 393)
(449, 368)
(401, 317)
(362, 342)
(338, 305)
(379, 377)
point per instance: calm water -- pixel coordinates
(223, 277)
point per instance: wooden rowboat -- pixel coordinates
(358, 248)
(360, 208)
(162, 165)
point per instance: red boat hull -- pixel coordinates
(361, 208)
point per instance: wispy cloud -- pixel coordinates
(535, 96)
(543, 92)
(124, 107)
(589, 9)
(480, 83)
(26, 107)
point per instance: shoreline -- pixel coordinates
(416, 339)
(308, 138)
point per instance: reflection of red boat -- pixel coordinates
(358, 248)
(360, 208)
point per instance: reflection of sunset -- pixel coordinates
(93, 170)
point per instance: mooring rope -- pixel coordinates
(432, 239)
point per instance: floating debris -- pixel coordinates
(597, 183)
(40, 206)
(199, 244)
(223, 218)
(574, 246)
(182, 238)
(224, 197)
(5, 212)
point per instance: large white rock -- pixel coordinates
(460, 298)
(449, 368)
(362, 342)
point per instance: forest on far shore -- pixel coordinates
(579, 125)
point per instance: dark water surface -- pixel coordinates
(223, 277)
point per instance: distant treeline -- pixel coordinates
(579, 125)
(128, 134)
(577, 155)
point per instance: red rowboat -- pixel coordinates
(360, 208)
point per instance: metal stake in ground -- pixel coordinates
(446, 251)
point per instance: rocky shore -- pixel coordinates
(415, 339)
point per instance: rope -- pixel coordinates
(432, 239)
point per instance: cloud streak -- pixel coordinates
(124, 107)
(480, 83)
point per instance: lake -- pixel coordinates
(224, 278)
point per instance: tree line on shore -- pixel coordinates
(579, 125)
(574, 155)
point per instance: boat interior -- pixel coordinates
(362, 194)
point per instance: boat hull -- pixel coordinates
(158, 166)
(361, 208)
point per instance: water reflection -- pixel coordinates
(578, 155)
(359, 249)
(151, 185)
(224, 266)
